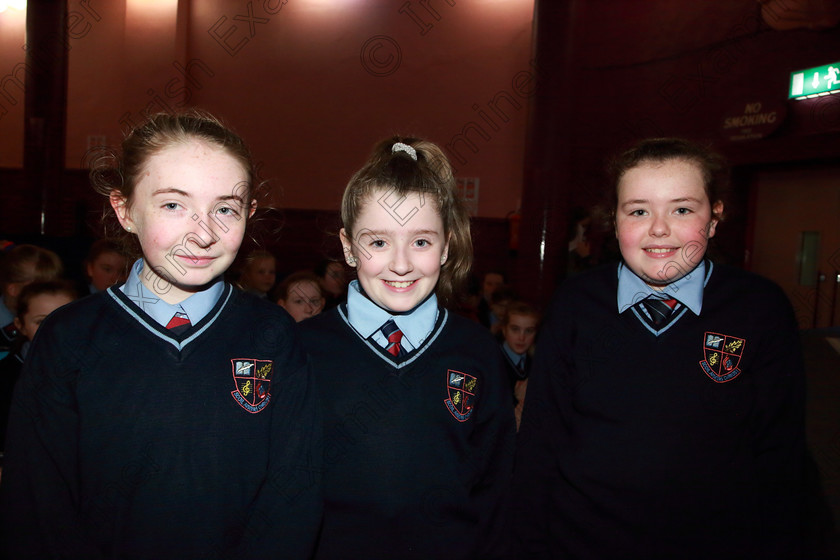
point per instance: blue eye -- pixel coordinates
(422, 243)
(683, 211)
(378, 243)
(171, 205)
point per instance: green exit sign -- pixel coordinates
(814, 82)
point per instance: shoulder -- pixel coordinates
(738, 276)
(731, 282)
(598, 285)
(325, 320)
(759, 301)
(248, 303)
(470, 341)
(477, 333)
(596, 280)
(90, 322)
(327, 323)
(77, 315)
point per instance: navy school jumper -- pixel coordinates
(688, 445)
(418, 452)
(128, 442)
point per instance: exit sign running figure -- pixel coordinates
(814, 82)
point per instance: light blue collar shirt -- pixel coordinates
(6, 316)
(367, 318)
(515, 358)
(688, 290)
(196, 306)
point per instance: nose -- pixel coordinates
(204, 233)
(659, 226)
(401, 261)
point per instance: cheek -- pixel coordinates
(431, 263)
(625, 232)
(366, 268)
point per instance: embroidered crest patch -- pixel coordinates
(462, 388)
(253, 381)
(723, 353)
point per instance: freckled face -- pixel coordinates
(188, 210)
(664, 220)
(398, 261)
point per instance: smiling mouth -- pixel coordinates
(192, 259)
(404, 284)
(660, 251)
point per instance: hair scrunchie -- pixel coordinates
(400, 147)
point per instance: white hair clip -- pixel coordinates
(400, 147)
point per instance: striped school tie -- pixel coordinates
(178, 323)
(659, 309)
(394, 336)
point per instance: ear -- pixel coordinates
(445, 254)
(717, 214)
(253, 209)
(14, 288)
(18, 324)
(347, 247)
(120, 205)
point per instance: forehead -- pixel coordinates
(196, 167)
(522, 320)
(671, 179)
(303, 286)
(386, 211)
(110, 257)
(43, 304)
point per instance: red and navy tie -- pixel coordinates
(178, 323)
(394, 336)
(660, 310)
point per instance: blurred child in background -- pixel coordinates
(259, 273)
(35, 302)
(105, 265)
(519, 325)
(300, 295)
(20, 266)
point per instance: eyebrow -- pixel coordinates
(389, 232)
(674, 200)
(173, 190)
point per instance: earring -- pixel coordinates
(442, 259)
(128, 229)
(351, 261)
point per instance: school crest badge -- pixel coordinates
(462, 388)
(252, 379)
(723, 354)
